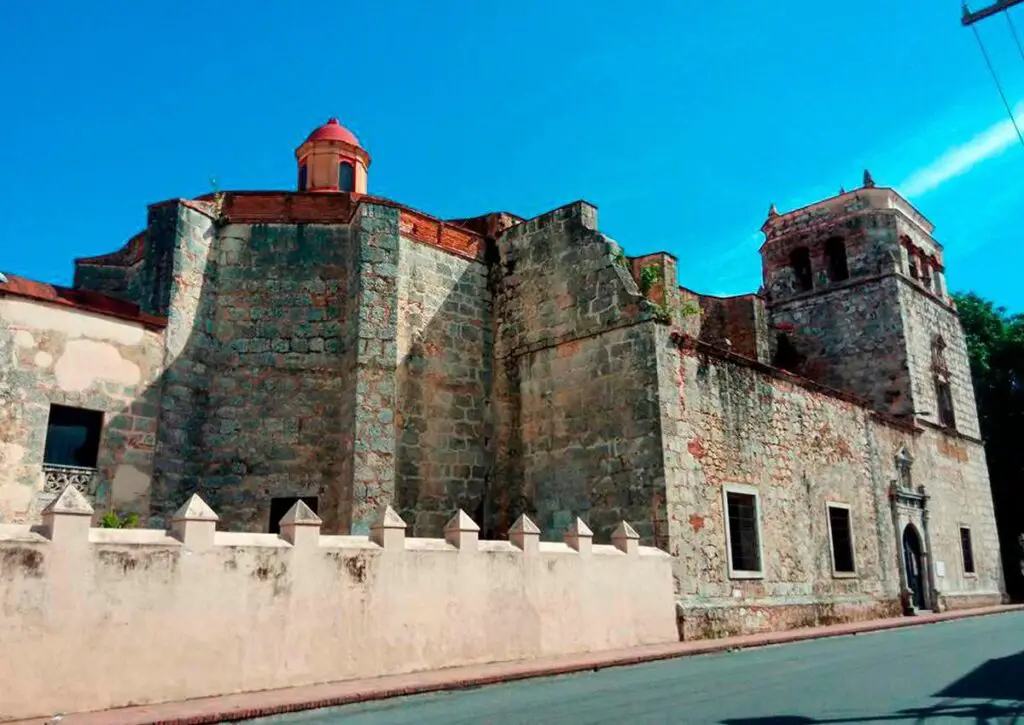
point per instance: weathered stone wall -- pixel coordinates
(55, 355)
(864, 222)
(591, 433)
(176, 279)
(848, 333)
(954, 473)
(852, 339)
(443, 382)
(273, 359)
(576, 400)
(924, 319)
(115, 274)
(336, 498)
(375, 236)
(130, 617)
(799, 449)
(733, 424)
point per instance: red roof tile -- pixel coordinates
(83, 300)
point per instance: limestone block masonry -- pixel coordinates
(121, 617)
(806, 454)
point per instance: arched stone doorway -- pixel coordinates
(917, 588)
(913, 561)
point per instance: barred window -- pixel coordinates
(744, 536)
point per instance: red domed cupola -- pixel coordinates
(332, 159)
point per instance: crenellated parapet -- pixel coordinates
(226, 612)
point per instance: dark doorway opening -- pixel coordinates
(279, 507)
(914, 562)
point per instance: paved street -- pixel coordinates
(966, 671)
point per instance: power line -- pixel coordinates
(1013, 32)
(970, 18)
(999, 86)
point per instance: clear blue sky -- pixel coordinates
(681, 121)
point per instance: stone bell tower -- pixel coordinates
(856, 293)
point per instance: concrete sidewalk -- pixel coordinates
(273, 702)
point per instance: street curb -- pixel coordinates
(509, 672)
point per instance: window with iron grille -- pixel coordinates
(744, 537)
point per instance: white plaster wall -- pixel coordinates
(111, 617)
(55, 354)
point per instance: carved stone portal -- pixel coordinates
(910, 521)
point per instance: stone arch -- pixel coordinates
(837, 266)
(800, 264)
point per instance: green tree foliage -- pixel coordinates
(995, 345)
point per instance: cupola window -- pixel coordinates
(303, 177)
(346, 176)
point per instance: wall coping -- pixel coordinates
(82, 301)
(71, 528)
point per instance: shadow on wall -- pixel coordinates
(259, 399)
(444, 382)
(258, 354)
(995, 689)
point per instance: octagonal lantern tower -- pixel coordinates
(331, 159)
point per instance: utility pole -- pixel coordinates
(999, 6)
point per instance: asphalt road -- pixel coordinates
(964, 671)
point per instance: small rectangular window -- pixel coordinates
(841, 534)
(967, 549)
(744, 538)
(279, 507)
(72, 437)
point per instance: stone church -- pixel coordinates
(807, 454)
